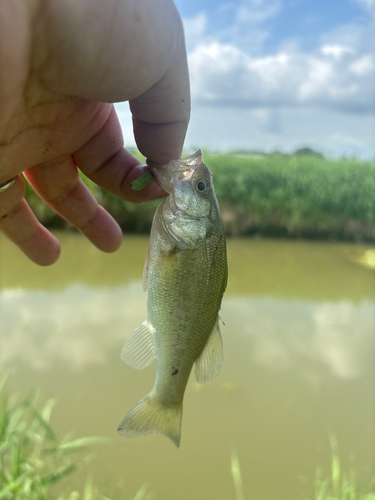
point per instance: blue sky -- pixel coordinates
(280, 74)
(302, 19)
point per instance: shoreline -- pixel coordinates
(287, 196)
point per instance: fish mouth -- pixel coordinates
(175, 170)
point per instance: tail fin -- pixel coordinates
(150, 415)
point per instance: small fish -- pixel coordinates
(185, 274)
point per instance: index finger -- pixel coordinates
(106, 162)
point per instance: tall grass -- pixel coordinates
(33, 459)
(299, 195)
(299, 185)
(338, 485)
(295, 195)
(237, 476)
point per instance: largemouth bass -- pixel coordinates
(185, 274)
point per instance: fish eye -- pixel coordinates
(202, 186)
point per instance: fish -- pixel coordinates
(185, 275)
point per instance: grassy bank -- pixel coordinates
(295, 195)
(33, 460)
(279, 195)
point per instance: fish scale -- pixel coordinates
(186, 274)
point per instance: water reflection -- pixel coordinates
(317, 338)
(298, 347)
(78, 325)
(81, 325)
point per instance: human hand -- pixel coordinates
(62, 64)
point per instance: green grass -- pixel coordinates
(288, 195)
(301, 195)
(33, 459)
(237, 476)
(338, 485)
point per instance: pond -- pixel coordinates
(298, 366)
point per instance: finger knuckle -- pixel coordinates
(8, 215)
(61, 197)
(10, 200)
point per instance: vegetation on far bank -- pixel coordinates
(299, 195)
(305, 196)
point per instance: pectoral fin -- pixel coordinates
(209, 363)
(139, 350)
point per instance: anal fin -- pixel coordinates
(210, 361)
(139, 350)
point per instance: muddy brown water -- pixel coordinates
(299, 344)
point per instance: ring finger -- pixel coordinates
(59, 185)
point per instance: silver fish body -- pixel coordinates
(185, 274)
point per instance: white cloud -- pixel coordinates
(229, 69)
(195, 30)
(369, 5)
(257, 11)
(227, 128)
(332, 77)
(336, 51)
(363, 66)
(246, 97)
(319, 340)
(42, 328)
(244, 26)
(81, 326)
(248, 28)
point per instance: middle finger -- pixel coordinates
(59, 185)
